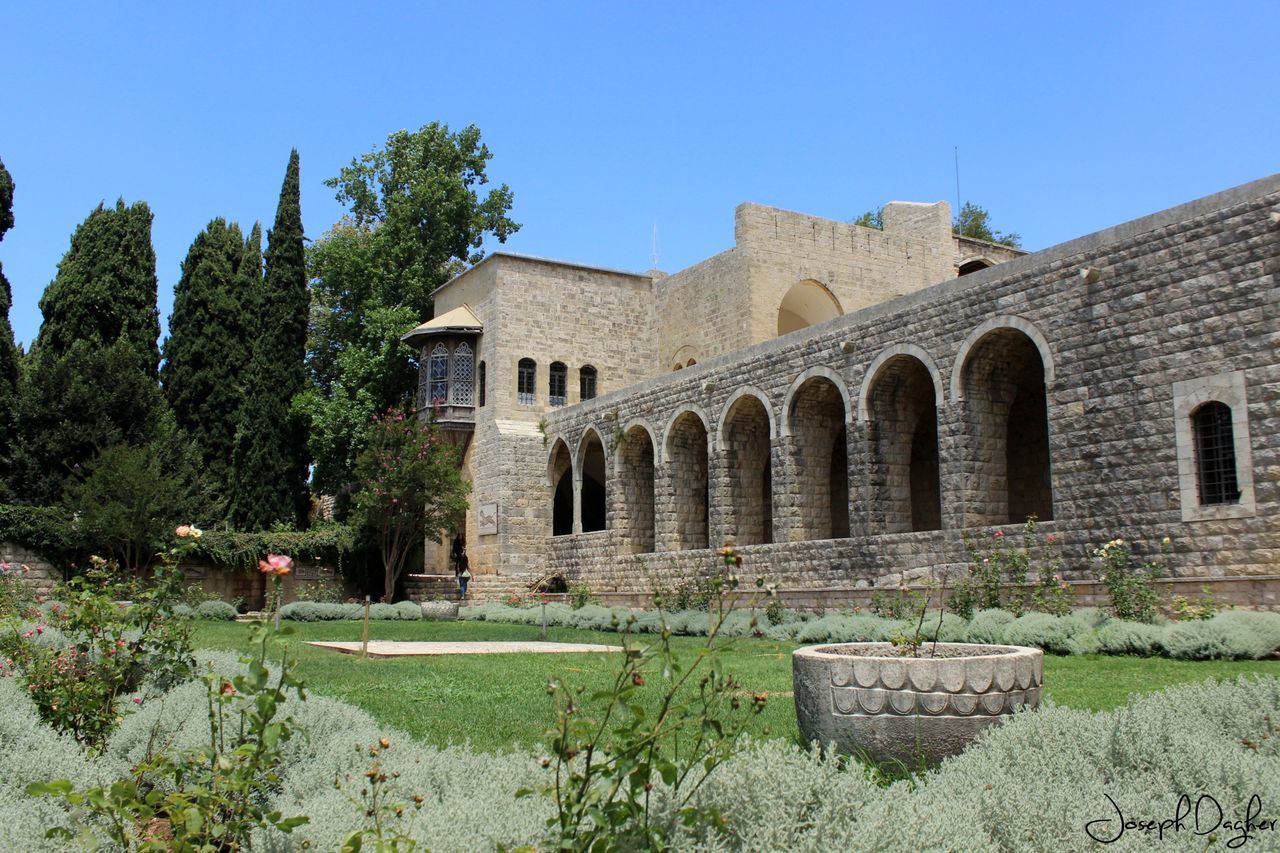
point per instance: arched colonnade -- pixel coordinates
(902, 451)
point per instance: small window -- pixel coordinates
(691, 362)
(439, 376)
(463, 376)
(526, 391)
(1215, 454)
(559, 383)
(480, 385)
(587, 382)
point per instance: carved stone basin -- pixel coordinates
(440, 610)
(869, 701)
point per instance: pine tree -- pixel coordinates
(210, 342)
(270, 465)
(8, 351)
(90, 379)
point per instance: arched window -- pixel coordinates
(559, 380)
(807, 303)
(439, 376)
(463, 384)
(586, 382)
(526, 372)
(973, 266)
(480, 378)
(1215, 454)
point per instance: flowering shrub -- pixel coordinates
(411, 489)
(13, 589)
(606, 765)
(997, 563)
(1132, 586)
(118, 633)
(212, 797)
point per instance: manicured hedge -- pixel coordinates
(1228, 635)
(321, 611)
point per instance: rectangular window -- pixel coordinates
(557, 390)
(587, 383)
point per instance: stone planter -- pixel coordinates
(870, 702)
(439, 610)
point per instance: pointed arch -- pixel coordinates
(560, 478)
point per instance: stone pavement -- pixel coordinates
(391, 649)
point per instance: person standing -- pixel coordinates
(461, 567)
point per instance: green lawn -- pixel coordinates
(499, 702)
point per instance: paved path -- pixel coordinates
(389, 649)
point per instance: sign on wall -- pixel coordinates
(487, 519)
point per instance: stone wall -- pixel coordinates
(1110, 322)
(229, 584)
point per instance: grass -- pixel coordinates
(499, 702)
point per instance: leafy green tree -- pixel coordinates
(975, 223)
(211, 333)
(90, 379)
(871, 219)
(9, 354)
(130, 498)
(417, 219)
(269, 470)
(105, 290)
(411, 488)
(73, 405)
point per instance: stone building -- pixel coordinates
(849, 405)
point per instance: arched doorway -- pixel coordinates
(749, 472)
(903, 433)
(1006, 413)
(816, 416)
(594, 498)
(560, 474)
(635, 489)
(686, 459)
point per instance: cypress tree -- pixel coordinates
(90, 380)
(105, 290)
(270, 465)
(210, 341)
(8, 351)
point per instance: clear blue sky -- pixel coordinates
(605, 118)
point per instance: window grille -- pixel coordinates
(526, 393)
(480, 377)
(559, 381)
(439, 375)
(1215, 454)
(424, 379)
(464, 393)
(587, 382)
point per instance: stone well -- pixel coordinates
(870, 701)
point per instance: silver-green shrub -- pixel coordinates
(1119, 637)
(1229, 635)
(987, 626)
(217, 610)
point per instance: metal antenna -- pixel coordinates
(957, 180)
(653, 256)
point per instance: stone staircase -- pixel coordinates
(482, 587)
(428, 587)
